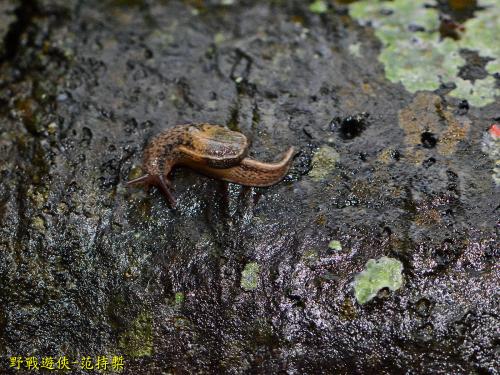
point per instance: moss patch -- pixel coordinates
(138, 340)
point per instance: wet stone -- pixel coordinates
(7, 18)
(383, 231)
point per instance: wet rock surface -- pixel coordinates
(237, 280)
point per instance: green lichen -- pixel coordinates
(478, 92)
(423, 60)
(319, 6)
(493, 67)
(323, 163)
(250, 276)
(179, 298)
(483, 29)
(335, 245)
(382, 273)
(138, 340)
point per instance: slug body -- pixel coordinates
(212, 150)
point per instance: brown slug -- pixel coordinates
(211, 150)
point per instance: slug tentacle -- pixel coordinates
(211, 150)
(164, 184)
(140, 180)
(160, 182)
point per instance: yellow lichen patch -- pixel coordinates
(427, 124)
(321, 219)
(415, 156)
(427, 218)
(368, 89)
(347, 310)
(385, 155)
(362, 190)
(39, 224)
(137, 341)
(62, 208)
(323, 163)
(421, 115)
(37, 197)
(457, 130)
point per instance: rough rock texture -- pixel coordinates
(7, 18)
(90, 267)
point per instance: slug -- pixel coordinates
(212, 150)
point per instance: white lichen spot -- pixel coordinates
(355, 50)
(52, 128)
(491, 146)
(219, 38)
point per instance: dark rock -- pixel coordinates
(89, 267)
(7, 18)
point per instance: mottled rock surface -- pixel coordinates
(7, 18)
(237, 280)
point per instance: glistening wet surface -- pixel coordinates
(378, 253)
